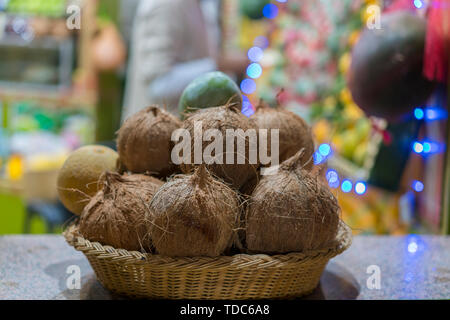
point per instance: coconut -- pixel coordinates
(249, 186)
(291, 211)
(144, 141)
(223, 118)
(194, 215)
(245, 195)
(294, 132)
(115, 215)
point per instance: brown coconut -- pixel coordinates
(194, 215)
(115, 215)
(144, 141)
(294, 132)
(223, 118)
(291, 211)
(249, 186)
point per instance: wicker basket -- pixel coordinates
(236, 277)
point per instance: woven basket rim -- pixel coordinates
(244, 260)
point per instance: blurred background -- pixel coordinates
(71, 71)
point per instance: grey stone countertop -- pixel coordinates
(374, 267)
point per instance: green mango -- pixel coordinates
(211, 89)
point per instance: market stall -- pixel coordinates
(225, 150)
(49, 102)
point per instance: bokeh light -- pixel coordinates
(417, 186)
(435, 114)
(324, 149)
(360, 188)
(261, 42)
(346, 186)
(247, 107)
(248, 86)
(255, 54)
(418, 113)
(412, 247)
(332, 175)
(270, 11)
(418, 147)
(318, 158)
(254, 70)
(332, 178)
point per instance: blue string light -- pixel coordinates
(318, 158)
(435, 114)
(418, 4)
(426, 147)
(360, 188)
(418, 113)
(325, 149)
(248, 86)
(346, 186)
(418, 147)
(254, 70)
(332, 175)
(332, 178)
(261, 42)
(270, 11)
(255, 54)
(430, 114)
(247, 108)
(417, 186)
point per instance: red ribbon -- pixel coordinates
(437, 43)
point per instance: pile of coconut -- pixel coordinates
(139, 199)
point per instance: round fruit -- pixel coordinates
(144, 141)
(193, 215)
(211, 89)
(234, 166)
(115, 216)
(78, 179)
(291, 211)
(386, 77)
(294, 132)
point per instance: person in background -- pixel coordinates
(173, 42)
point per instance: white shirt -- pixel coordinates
(172, 43)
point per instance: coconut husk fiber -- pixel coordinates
(294, 132)
(194, 215)
(115, 215)
(144, 141)
(249, 186)
(223, 118)
(291, 211)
